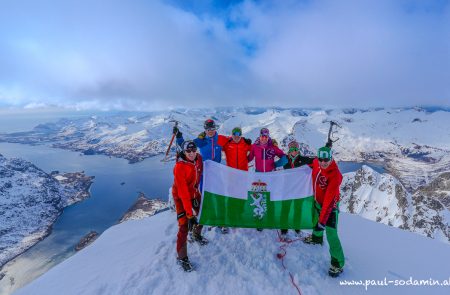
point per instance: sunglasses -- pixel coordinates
(293, 150)
(190, 151)
(264, 136)
(324, 160)
(210, 129)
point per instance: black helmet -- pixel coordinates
(209, 124)
(189, 145)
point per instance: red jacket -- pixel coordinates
(236, 153)
(187, 177)
(326, 184)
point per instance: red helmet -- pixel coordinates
(209, 124)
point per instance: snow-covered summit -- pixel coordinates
(138, 257)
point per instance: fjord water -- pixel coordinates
(109, 200)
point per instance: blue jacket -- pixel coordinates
(208, 146)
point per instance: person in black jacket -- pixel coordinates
(294, 160)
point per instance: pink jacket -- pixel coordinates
(264, 156)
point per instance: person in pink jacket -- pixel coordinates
(264, 152)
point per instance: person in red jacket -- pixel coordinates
(236, 149)
(186, 195)
(327, 180)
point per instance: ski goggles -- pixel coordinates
(326, 160)
(210, 129)
(236, 131)
(191, 150)
(293, 149)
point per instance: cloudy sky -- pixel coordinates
(144, 54)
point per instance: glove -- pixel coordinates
(202, 135)
(248, 141)
(329, 144)
(281, 162)
(192, 223)
(177, 132)
(319, 227)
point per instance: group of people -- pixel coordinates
(267, 156)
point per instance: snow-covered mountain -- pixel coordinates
(382, 198)
(30, 202)
(413, 144)
(138, 257)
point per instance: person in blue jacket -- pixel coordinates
(206, 141)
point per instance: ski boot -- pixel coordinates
(185, 264)
(335, 271)
(313, 240)
(284, 235)
(224, 230)
(198, 238)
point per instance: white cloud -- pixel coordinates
(148, 54)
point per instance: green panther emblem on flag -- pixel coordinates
(259, 196)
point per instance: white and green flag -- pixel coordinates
(235, 198)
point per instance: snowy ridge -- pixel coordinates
(382, 198)
(30, 202)
(378, 197)
(138, 257)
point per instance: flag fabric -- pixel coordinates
(235, 198)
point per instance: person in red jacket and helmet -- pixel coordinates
(186, 195)
(327, 180)
(236, 149)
